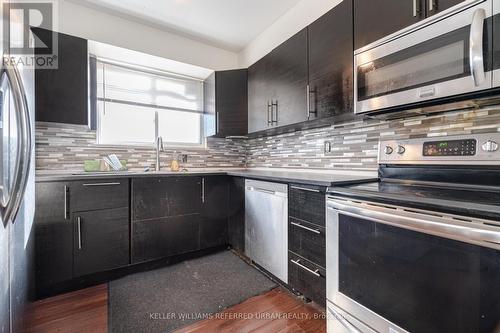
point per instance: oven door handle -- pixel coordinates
(429, 223)
(476, 59)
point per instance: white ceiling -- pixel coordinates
(228, 24)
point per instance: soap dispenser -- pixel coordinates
(174, 166)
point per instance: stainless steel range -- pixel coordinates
(419, 250)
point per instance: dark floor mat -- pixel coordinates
(159, 301)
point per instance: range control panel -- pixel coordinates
(466, 147)
(473, 149)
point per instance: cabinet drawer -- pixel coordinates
(307, 278)
(307, 240)
(99, 194)
(307, 203)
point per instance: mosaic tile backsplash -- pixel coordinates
(64, 147)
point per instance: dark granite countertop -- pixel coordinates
(286, 176)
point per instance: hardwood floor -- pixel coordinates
(81, 311)
(276, 311)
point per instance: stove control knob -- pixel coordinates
(401, 150)
(490, 146)
(388, 150)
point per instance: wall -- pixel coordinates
(355, 144)
(85, 22)
(297, 18)
(65, 147)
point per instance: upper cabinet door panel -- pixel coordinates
(231, 103)
(289, 77)
(436, 6)
(61, 95)
(374, 19)
(331, 63)
(258, 96)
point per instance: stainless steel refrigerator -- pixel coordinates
(17, 186)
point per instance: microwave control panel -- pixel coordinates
(465, 147)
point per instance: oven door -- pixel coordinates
(405, 270)
(443, 57)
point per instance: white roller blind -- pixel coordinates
(134, 106)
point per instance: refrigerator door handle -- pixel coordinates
(11, 205)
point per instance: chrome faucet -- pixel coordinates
(159, 147)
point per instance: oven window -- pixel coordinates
(422, 283)
(440, 59)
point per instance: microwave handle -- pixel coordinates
(476, 47)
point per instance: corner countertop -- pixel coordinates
(299, 176)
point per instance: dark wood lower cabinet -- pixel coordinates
(101, 240)
(236, 214)
(213, 225)
(307, 278)
(168, 236)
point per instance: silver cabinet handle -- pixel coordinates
(79, 226)
(12, 201)
(416, 9)
(66, 190)
(431, 5)
(304, 189)
(101, 184)
(316, 272)
(217, 121)
(305, 228)
(308, 102)
(476, 47)
(268, 112)
(203, 190)
(275, 121)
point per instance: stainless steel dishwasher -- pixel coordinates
(266, 226)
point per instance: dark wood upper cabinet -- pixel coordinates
(375, 19)
(277, 86)
(226, 100)
(331, 64)
(61, 95)
(436, 6)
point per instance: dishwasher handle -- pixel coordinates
(258, 189)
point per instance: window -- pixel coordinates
(134, 106)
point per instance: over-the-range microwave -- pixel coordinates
(443, 59)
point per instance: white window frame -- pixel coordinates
(101, 102)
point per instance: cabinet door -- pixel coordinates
(259, 95)
(164, 237)
(53, 235)
(331, 64)
(236, 219)
(101, 240)
(436, 6)
(167, 196)
(62, 94)
(231, 115)
(289, 77)
(213, 226)
(375, 19)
